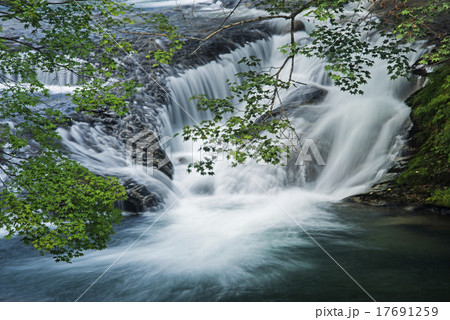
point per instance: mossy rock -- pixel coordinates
(430, 167)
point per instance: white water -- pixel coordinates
(359, 136)
(241, 219)
(234, 229)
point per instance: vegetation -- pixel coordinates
(428, 173)
(46, 199)
(348, 54)
(59, 207)
(427, 178)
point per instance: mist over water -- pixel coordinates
(238, 234)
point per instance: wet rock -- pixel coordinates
(387, 193)
(82, 117)
(302, 96)
(395, 196)
(140, 198)
(145, 149)
(162, 162)
(227, 41)
(182, 160)
(401, 163)
(142, 144)
(137, 135)
(305, 94)
(229, 3)
(298, 26)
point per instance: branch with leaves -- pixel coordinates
(343, 45)
(47, 200)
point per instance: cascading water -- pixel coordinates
(360, 135)
(232, 236)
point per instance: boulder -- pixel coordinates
(302, 96)
(298, 26)
(306, 94)
(145, 149)
(140, 198)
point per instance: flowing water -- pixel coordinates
(251, 233)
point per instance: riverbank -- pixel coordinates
(421, 178)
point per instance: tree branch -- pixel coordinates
(261, 18)
(230, 14)
(23, 43)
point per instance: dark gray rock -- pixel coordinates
(302, 96)
(298, 26)
(305, 94)
(140, 198)
(144, 148)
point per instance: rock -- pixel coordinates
(135, 134)
(298, 26)
(140, 198)
(162, 162)
(229, 40)
(388, 177)
(82, 117)
(306, 94)
(145, 149)
(379, 187)
(302, 96)
(401, 163)
(182, 160)
(229, 4)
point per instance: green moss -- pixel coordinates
(440, 197)
(431, 137)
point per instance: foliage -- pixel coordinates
(440, 197)
(418, 21)
(348, 57)
(342, 43)
(57, 206)
(49, 201)
(431, 116)
(247, 134)
(440, 55)
(168, 31)
(412, 22)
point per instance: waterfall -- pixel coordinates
(237, 225)
(359, 136)
(210, 79)
(57, 78)
(240, 235)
